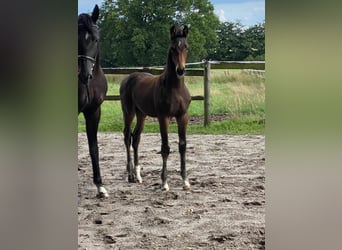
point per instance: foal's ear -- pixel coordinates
(95, 14)
(185, 31)
(173, 31)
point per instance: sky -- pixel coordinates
(248, 12)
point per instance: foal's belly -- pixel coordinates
(173, 106)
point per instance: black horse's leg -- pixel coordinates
(182, 122)
(128, 118)
(136, 140)
(165, 149)
(92, 122)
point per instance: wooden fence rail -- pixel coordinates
(205, 72)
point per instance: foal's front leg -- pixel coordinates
(182, 123)
(165, 149)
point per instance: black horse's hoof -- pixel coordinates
(102, 192)
(101, 196)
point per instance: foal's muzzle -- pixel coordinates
(180, 72)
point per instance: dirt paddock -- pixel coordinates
(225, 208)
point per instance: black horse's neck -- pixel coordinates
(97, 60)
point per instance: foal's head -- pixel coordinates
(88, 44)
(179, 49)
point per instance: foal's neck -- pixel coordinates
(171, 78)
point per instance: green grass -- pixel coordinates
(233, 94)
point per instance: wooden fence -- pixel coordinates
(205, 73)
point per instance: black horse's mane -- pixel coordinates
(85, 22)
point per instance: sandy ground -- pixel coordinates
(225, 208)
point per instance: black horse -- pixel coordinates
(92, 87)
(164, 96)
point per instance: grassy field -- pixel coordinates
(236, 98)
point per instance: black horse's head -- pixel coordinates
(179, 49)
(88, 44)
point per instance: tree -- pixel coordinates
(136, 33)
(230, 42)
(255, 42)
(236, 43)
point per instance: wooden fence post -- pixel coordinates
(206, 92)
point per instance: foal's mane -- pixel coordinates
(178, 34)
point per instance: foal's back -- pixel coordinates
(151, 96)
(137, 93)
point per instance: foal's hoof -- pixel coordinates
(131, 179)
(165, 187)
(137, 174)
(186, 186)
(102, 192)
(139, 179)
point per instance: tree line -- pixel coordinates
(136, 33)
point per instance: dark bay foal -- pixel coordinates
(164, 96)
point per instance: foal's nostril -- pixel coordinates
(180, 71)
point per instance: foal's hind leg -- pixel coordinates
(92, 122)
(165, 149)
(182, 122)
(136, 140)
(128, 118)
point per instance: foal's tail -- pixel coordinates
(126, 97)
(127, 110)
